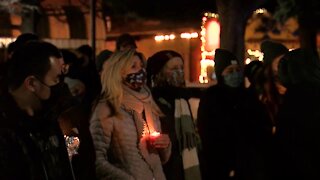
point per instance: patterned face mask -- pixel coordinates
(136, 80)
(177, 78)
(233, 79)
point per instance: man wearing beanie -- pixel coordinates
(218, 118)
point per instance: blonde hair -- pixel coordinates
(111, 77)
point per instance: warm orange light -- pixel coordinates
(189, 35)
(212, 36)
(173, 36)
(203, 78)
(153, 136)
(210, 39)
(4, 42)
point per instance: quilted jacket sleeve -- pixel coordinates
(102, 136)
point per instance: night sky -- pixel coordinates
(164, 9)
(170, 9)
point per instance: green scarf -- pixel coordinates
(186, 135)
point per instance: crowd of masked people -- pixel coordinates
(132, 116)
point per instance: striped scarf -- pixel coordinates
(186, 135)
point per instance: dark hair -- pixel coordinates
(24, 38)
(85, 50)
(69, 57)
(300, 67)
(269, 94)
(101, 58)
(125, 39)
(11, 47)
(33, 58)
(251, 69)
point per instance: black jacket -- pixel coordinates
(298, 135)
(31, 147)
(219, 115)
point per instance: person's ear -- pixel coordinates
(31, 83)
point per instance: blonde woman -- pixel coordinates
(124, 120)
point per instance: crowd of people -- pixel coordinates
(126, 116)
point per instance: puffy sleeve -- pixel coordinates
(101, 128)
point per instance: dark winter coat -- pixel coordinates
(256, 139)
(31, 147)
(218, 117)
(298, 135)
(165, 99)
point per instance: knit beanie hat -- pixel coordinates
(156, 62)
(222, 59)
(300, 67)
(271, 50)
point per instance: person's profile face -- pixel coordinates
(173, 72)
(136, 65)
(134, 76)
(52, 77)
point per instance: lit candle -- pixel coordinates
(154, 136)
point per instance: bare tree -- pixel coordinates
(308, 15)
(233, 16)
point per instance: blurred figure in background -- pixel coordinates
(125, 41)
(76, 86)
(75, 121)
(256, 138)
(272, 89)
(251, 72)
(299, 116)
(102, 57)
(88, 74)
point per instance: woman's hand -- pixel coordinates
(162, 141)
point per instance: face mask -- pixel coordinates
(136, 80)
(233, 79)
(177, 78)
(59, 100)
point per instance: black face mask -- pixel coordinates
(136, 80)
(60, 99)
